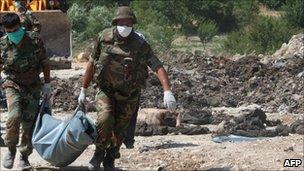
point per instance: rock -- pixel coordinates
(298, 127)
(83, 57)
(293, 48)
(289, 149)
(301, 74)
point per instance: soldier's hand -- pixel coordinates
(82, 96)
(169, 100)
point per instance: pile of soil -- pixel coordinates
(66, 92)
(206, 81)
(212, 82)
(254, 123)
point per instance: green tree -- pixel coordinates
(264, 36)
(273, 4)
(294, 12)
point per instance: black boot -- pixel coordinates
(96, 160)
(8, 161)
(109, 160)
(24, 164)
(108, 163)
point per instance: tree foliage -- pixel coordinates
(265, 36)
(294, 12)
(207, 30)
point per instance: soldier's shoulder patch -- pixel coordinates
(3, 41)
(107, 35)
(3, 38)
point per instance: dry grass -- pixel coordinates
(270, 13)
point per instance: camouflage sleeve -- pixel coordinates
(41, 52)
(1, 61)
(96, 50)
(151, 59)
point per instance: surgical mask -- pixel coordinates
(16, 36)
(124, 31)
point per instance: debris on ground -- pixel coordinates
(253, 123)
(144, 129)
(209, 81)
(298, 127)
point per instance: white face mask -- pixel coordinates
(124, 31)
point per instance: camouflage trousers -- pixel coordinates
(22, 110)
(113, 118)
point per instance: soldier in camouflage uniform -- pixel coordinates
(22, 59)
(119, 65)
(28, 19)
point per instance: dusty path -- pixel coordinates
(195, 152)
(180, 152)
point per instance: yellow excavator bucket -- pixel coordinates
(55, 25)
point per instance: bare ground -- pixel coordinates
(182, 152)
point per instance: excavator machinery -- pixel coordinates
(55, 26)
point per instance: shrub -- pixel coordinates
(245, 12)
(265, 36)
(237, 42)
(155, 27)
(99, 18)
(294, 12)
(78, 18)
(207, 30)
(87, 24)
(273, 4)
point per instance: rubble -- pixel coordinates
(295, 47)
(253, 123)
(297, 127)
(216, 81)
(144, 129)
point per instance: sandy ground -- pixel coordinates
(182, 152)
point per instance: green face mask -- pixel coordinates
(16, 36)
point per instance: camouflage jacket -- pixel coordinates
(121, 66)
(30, 22)
(24, 63)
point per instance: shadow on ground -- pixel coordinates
(68, 168)
(166, 145)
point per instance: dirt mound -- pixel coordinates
(66, 92)
(253, 124)
(209, 81)
(277, 86)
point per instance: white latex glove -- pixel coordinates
(169, 100)
(47, 89)
(82, 96)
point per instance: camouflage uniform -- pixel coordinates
(121, 69)
(30, 22)
(22, 65)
